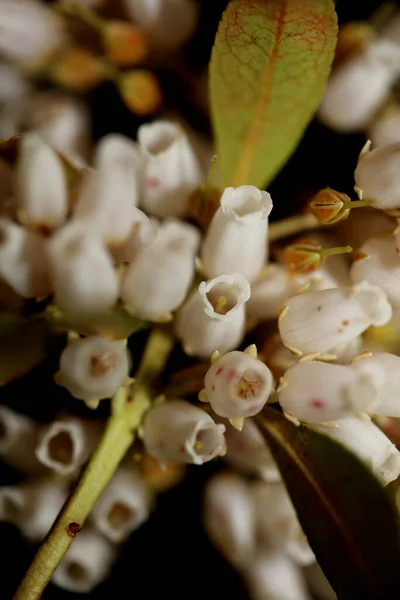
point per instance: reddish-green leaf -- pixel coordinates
(269, 66)
(347, 516)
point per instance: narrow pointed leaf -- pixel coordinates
(269, 66)
(346, 514)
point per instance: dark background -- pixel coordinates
(170, 555)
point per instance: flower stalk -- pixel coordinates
(119, 434)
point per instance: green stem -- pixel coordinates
(118, 436)
(292, 225)
(332, 251)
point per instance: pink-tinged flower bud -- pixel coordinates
(378, 263)
(389, 404)
(228, 517)
(273, 576)
(33, 506)
(23, 263)
(178, 431)
(247, 451)
(166, 23)
(18, 440)
(385, 129)
(158, 279)
(369, 443)
(213, 317)
(359, 86)
(277, 284)
(237, 238)
(171, 172)
(83, 274)
(123, 507)
(377, 177)
(318, 392)
(110, 193)
(87, 563)
(40, 185)
(66, 444)
(30, 31)
(277, 523)
(94, 367)
(319, 321)
(238, 385)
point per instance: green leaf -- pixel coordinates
(269, 66)
(346, 514)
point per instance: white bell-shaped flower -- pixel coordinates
(213, 317)
(385, 128)
(277, 523)
(273, 576)
(124, 506)
(87, 563)
(318, 392)
(40, 185)
(109, 195)
(389, 402)
(228, 517)
(143, 232)
(23, 263)
(158, 279)
(13, 85)
(166, 23)
(171, 169)
(238, 385)
(318, 583)
(318, 321)
(94, 367)
(276, 284)
(378, 263)
(178, 431)
(29, 31)
(369, 443)
(247, 451)
(18, 440)
(237, 238)
(359, 86)
(83, 274)
(377, 176)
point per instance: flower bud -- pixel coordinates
(158, 280)
(306, 255)
(166, 23)
(66, 444)
(33, 506)
(377, 176)
(18, 440)
(238, 385)
(140, 91)
(329, 206)
(172, 170)
(23, 263)
(77, 69)
(273, 576)
(178, 431)
(237, 238)
(107, 200)
(390, 365)
(378, 263)
(247, 451)
(125, 44)
(385, 128)
(228, 517)
(317, 392)
(30, 31)
(369, 443)
(318, 321)
(359, 86)
(213, 317)
(40, 185)
(87, 563)
(94, 367)
(82, 271)
(123, 507)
